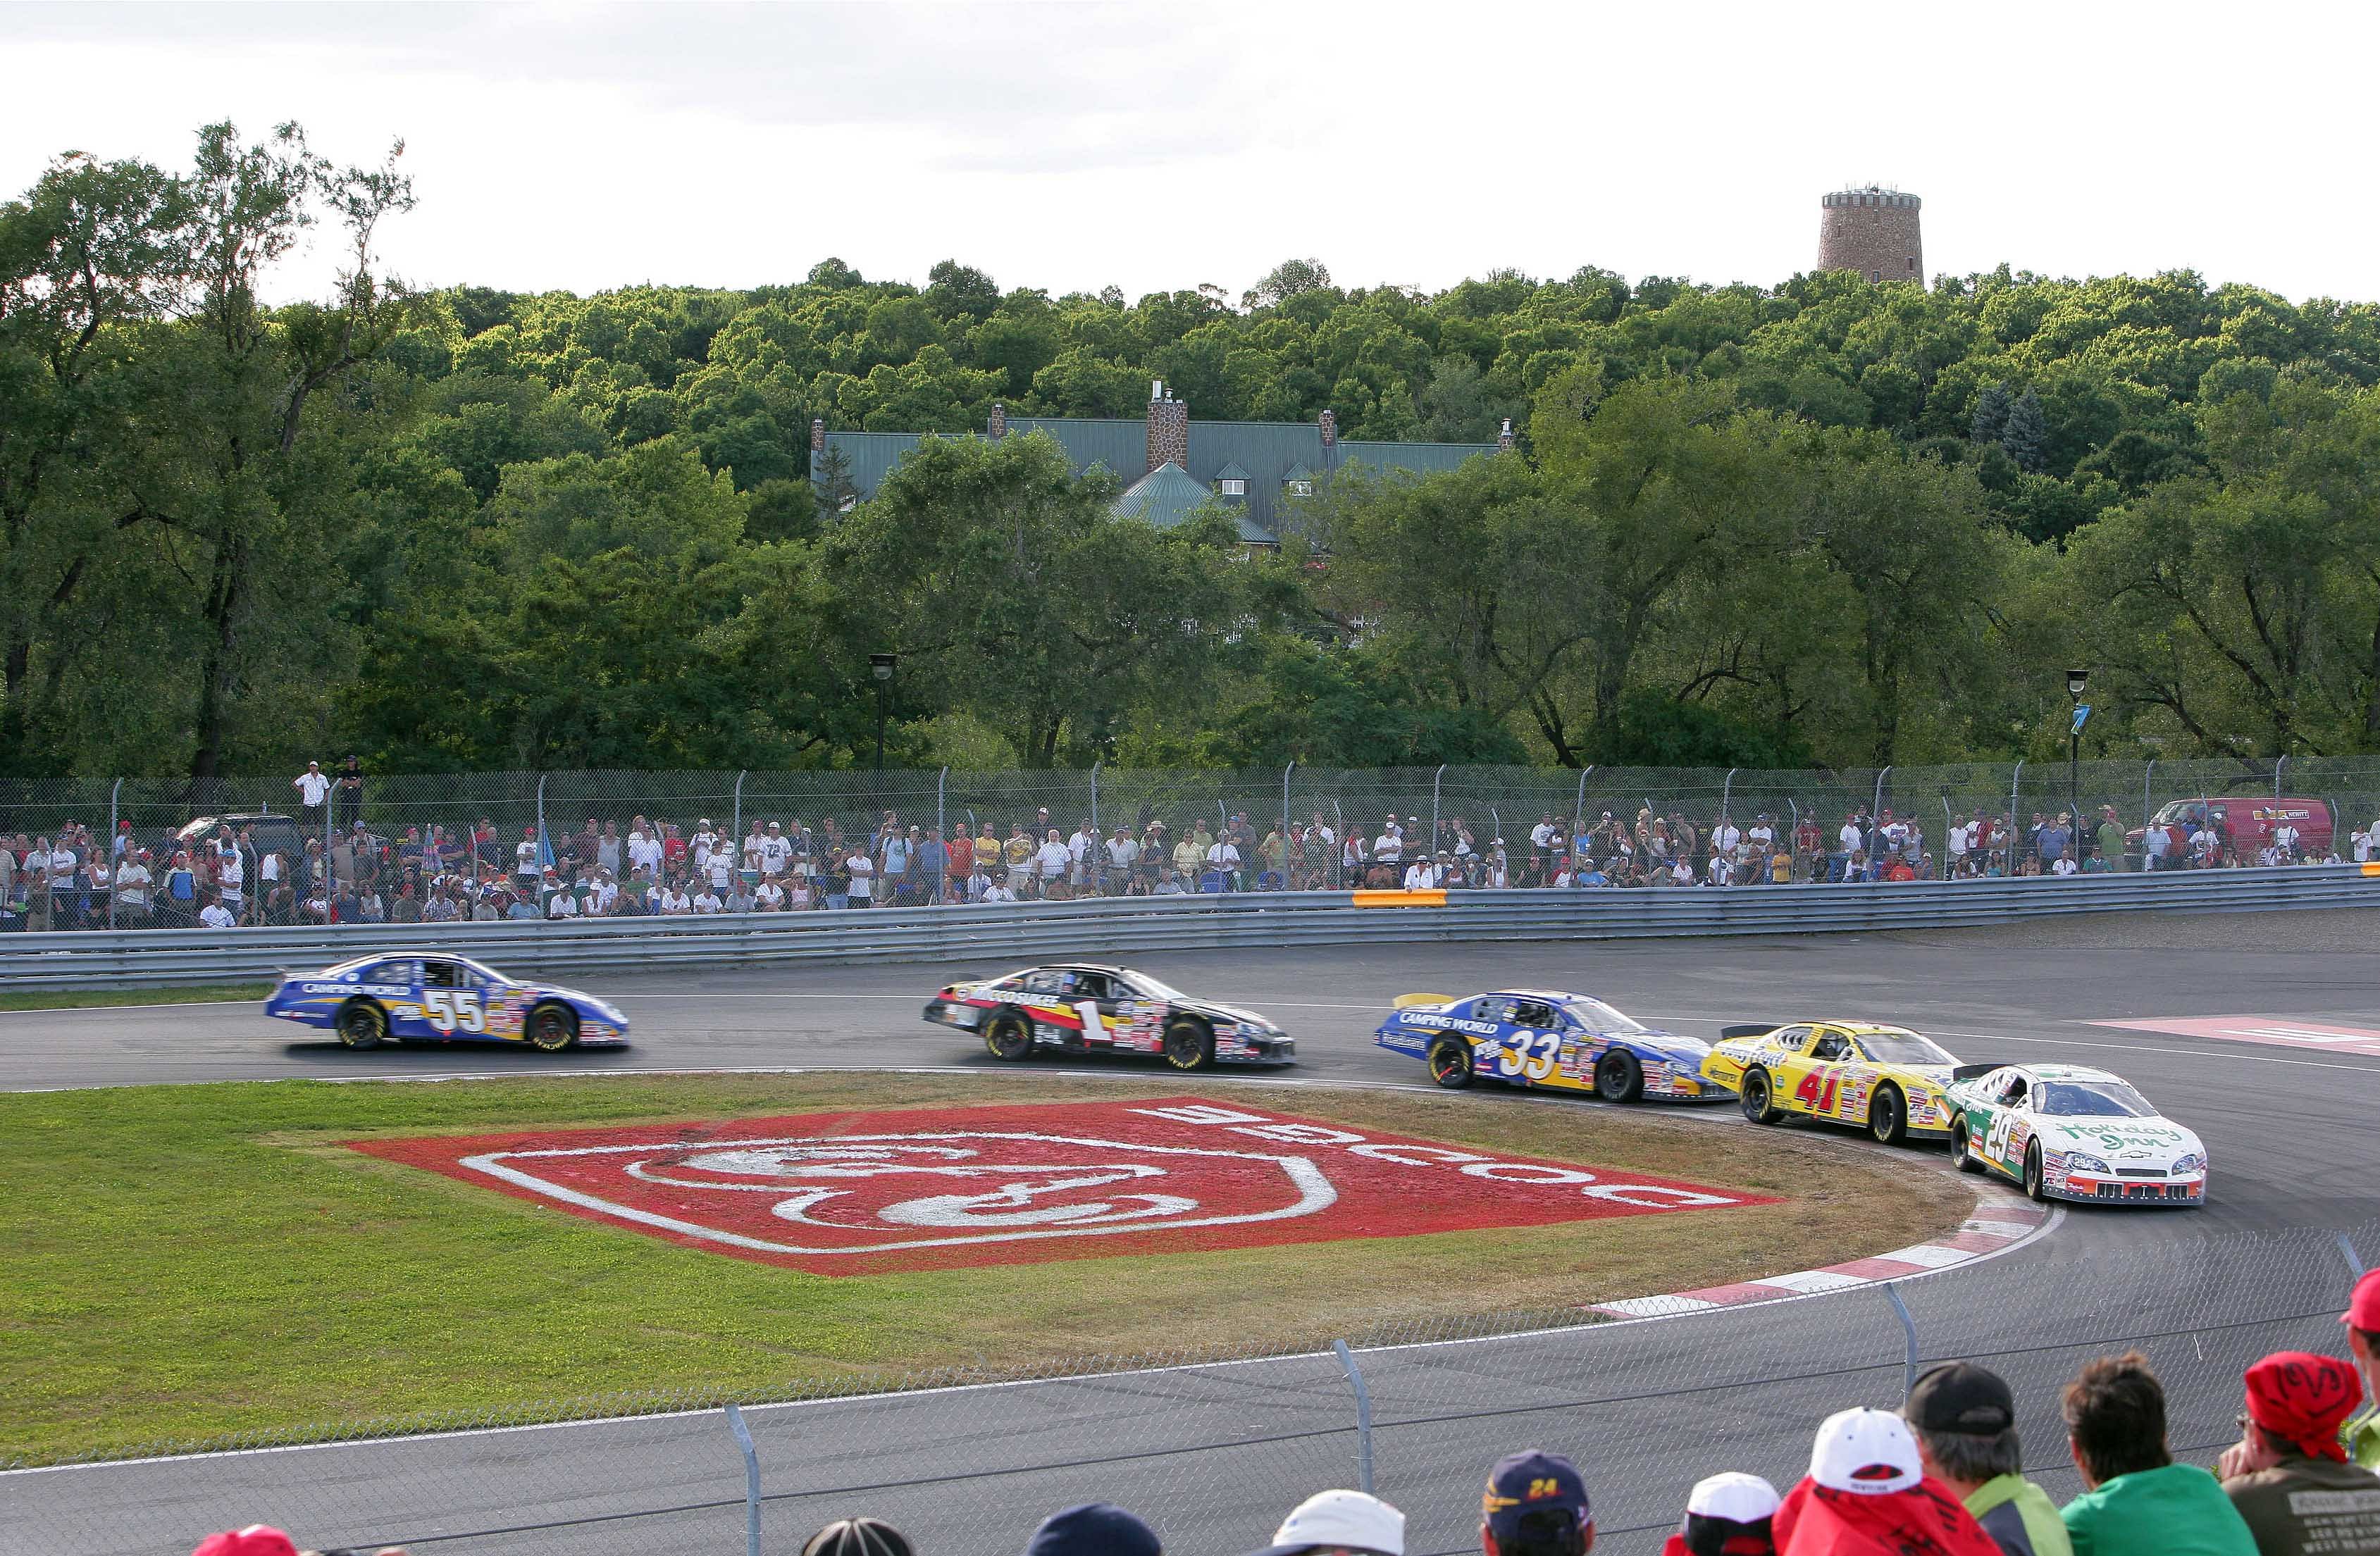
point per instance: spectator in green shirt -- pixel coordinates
(2362, 1435)
(2136, 1500)
(1964, 1419)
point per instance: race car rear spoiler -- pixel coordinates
(1973, 1072)
(1761, 1029)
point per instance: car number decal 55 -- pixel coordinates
(449, 1010)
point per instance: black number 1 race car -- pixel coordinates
(1085, 1008)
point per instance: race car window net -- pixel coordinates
(1901, 1048)
(1601, 1017)
(2096, 1099)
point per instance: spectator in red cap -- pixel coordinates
(2362, 1435)
(1536, 1505)
(2135, 1498)
(1867, 1494)
(1727, 1515)
(2288, 1446)
(257, 1539)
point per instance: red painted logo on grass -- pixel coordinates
(852, 1193)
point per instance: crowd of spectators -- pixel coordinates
(1942, 1477)
(306, 870)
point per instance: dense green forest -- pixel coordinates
(1829, 523)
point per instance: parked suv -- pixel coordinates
(2246, 822)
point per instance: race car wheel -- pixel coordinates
(1756, 1100)
(551, 1029)
(1619, 1078)
(1888, 1116)
(1008, 1036)
(363, 1025)
(1450, 1063)
(1189, 1045)
(2033, 1171)
(1959, 1151)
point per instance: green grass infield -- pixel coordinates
(83, 999)
(188, 1263)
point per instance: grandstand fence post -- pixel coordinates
(112, 793)
(1285, 772)
(1339, 853)
(1434, 777)
(1362, 1414)
(2277, 774)
(1877, 809)
(1578, 813)
(1909, 1334)
(1947, 825)
(1793, 838)
(941, 791)
(1727, 791)
(2148, 804)
(735, 822)
(2015, 779)
(751, 1480)
(2347, 1249)
(1095, 790)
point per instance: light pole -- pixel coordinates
(2075, 681)
(881, 665)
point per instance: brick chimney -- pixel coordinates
(1330, 423)
(818, 440)
(997, 428)
(1168, 429)
(1504, 438)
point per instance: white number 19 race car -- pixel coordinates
(2070, 1133)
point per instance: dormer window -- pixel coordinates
(1298, 487)
(1232, 485)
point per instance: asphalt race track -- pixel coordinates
(2289, 1120)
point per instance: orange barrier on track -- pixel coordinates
(1398, 899)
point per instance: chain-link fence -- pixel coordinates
(390, 848)
(1213, 1452)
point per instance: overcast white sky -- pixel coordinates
(1161, 145)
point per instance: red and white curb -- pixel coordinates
(1998, 1224)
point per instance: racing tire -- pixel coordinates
(1619, 1078)
(1008, 1036)
(1758, 1105)
(1189, 1043)
(1962, 1158)
(2032, 1187)
(1450, 1063)
(362, 1025)
(553, 1027)
(1888, 1116)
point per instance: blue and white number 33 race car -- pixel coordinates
(413, 996)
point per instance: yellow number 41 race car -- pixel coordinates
(1888, 1080)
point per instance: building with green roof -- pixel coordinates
(1248, 467)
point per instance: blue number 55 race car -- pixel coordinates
(417, 996)
(1539, 1037)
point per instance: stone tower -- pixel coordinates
(1873, 230)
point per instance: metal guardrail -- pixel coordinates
(70, 959)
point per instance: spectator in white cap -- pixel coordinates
(1867, 1495)
(1354, 1522)
(1727, 1515)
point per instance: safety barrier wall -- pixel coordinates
(1163, 924)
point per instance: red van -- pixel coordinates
(2246, 822)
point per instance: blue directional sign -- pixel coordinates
(2081, 715)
